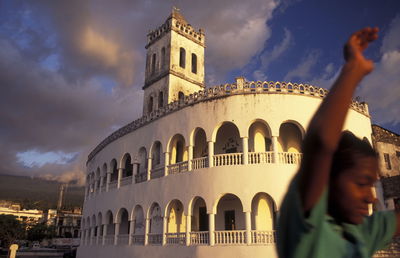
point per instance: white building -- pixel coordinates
(202, 173)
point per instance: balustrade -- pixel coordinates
(123, 239)
(230, 237)
(289, 157)
(155, 239)
(228, 159)
(140, 177)
(112, 185)
(176, 238)
(199, 163)
(126, 180)
(260, 157)
(263, 237)
(199, 238)
(137, 239)
(109, 240)
(157, 172)
(178, 167)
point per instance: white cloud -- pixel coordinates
(303, 70)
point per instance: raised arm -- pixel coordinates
(325, 127)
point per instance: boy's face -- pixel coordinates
(350, 192)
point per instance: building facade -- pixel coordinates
(202, 173)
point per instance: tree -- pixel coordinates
(11, 229)
(40, 231)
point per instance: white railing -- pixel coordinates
(137, 239)
(126, 180)
(263, 237)
(289, 158)
(199, 238)
(228, 159)
(123, 239)
(230, 237)
(140, 177)
(112, 185)
(109, 240)
(199, 163)
(260, 157)
(176, 238)
(155, 239)
(178, 167)
(157, 172)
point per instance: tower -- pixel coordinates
(174, 62)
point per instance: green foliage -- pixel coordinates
(40, 231)
(11, 229)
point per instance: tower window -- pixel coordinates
(387, 161)
(181, 97)
(150, 107)
(163, 58)
(182, 57)
(153, 63)
(194, 63)
(161, 99)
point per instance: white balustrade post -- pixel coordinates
(149, 168)
(188, 228)
(120, 171)
(135, 170)
(166, 162)
(131, 229)
(245, 144)
(248, 227)
(190, 158)
(210, 154)
(275, 148)
(146, 231)
(116, 233)
(108, 181)
(164, 230)
(211, 226)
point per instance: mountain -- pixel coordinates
(36, 193)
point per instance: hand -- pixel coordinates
(357, 43)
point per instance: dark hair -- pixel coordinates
(349, 150)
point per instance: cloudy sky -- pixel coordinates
(71, 71)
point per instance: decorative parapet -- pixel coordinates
(240, 87)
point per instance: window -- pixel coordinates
(194, 63)
(160, 99)
(182, 57)
(387, 161)
(181, 97)
(150, 107)
(153, 63)
(163, 58)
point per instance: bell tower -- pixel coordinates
(174, 62)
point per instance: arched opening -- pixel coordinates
(182, 57)
(157, 161)
(114, 173)
(194, 63)
(228, 146)
(150, 105)
(176, 223)
(123, 221)
(155, 224)
(181, 97)
(93, 229)
(178, 155)
(143, 164)
(199, 218)
(160, 99)
(97, 180)
(127, 165)
(109, 228)
(153, 63)
(262, 212)
(230, 215)
(138, 225)
(104, 175)
(200, 149)
(99, 225)
(290, 138)
(260, 143)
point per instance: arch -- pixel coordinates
(142, 160)
(177, 149)
(229, 213)
(176, 220)
(156, 155)
(194, 63)
(126, 165)
(155, 219)
(199, 142)
(259, 136)
(99, 219)
(263, 209)
(290, 137)
(113, 170)
(227, 139)
(109, 222)
(122, 218)
(182, 57)
(198, 214)
(138, 220)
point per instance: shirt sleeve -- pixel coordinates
(379, 230)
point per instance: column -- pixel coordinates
(166, 162)
(120, 171)
(164, 230)
(82, 236)
(188, 228)
(275, 148)
(248, 227)
(211, 226)
(131, 229)
(108, 180)
(190, 152)
(116, 233)
(101, 183)
(146, 232)
(103, 242)
(135, 171)
(86, 192)
(210, 154)
(245, 144)
(149, 168)
(98, 234)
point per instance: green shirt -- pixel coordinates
(320, 236)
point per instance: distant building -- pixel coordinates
(387, 144)
(68, 223)
(29, 217)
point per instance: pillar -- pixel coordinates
(248, 227)
(120, 171)
(135, 171)
(275, 148)
(211, 226)
(131, 229)
(103, 242)
(116, 233)
(245, 144)
(108, 180)
(164, 230)
(101, 183)
(188, 228)
(149, 168)
(190, 152)
(210, 154)
(166, 162)
(146, 232)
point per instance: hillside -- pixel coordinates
(35, 193)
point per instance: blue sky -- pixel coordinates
(72, 71)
